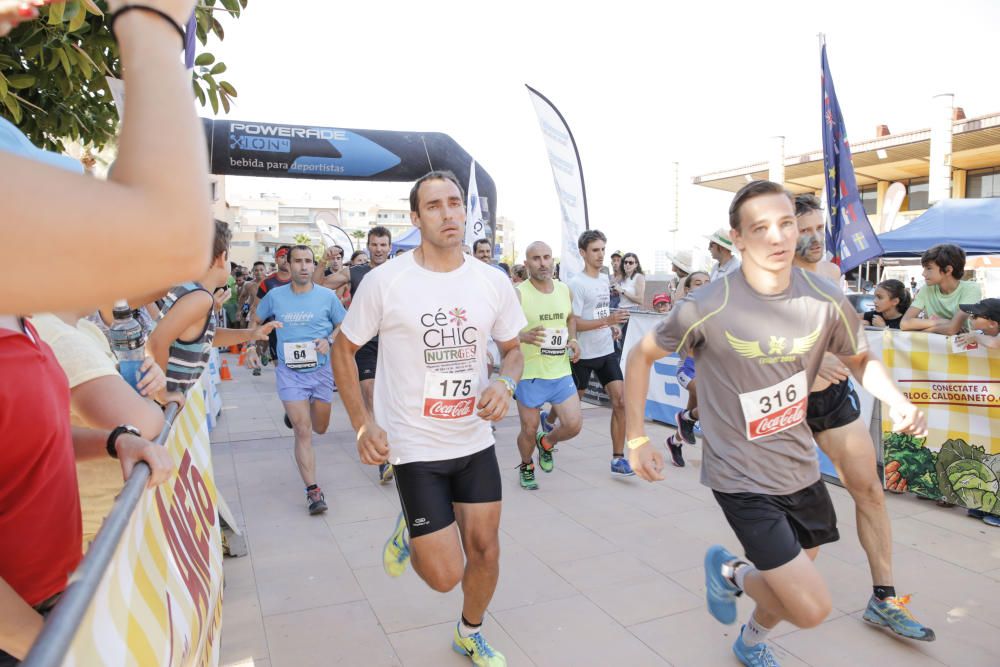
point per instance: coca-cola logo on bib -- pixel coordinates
(778, 421)
(437, 408)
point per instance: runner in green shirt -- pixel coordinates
(548, 344)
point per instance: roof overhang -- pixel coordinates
(975, 144)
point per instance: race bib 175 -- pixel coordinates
(450, 395)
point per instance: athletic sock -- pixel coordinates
(753, 632)
(674, 441)
(466, 629)
(883, 592)
(312, 487)
(686, 414)
(546, 445)
(736, 572)
(617, 456)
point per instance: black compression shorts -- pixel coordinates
(608, 369)
(367, 359)
(427, 489)
(833, 407)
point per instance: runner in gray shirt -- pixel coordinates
(758, 337)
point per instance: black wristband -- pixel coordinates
(112, 444)
(151, 10)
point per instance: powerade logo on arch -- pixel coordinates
(303, 150)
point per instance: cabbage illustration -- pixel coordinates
(974, 484)
(967, 475)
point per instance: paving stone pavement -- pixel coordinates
(594, 570)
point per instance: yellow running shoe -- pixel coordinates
(478, 650)
(396, 554)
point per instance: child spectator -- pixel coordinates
(661, 302)
(186, 332)
(891, 301)
(984, 318)
(944, 266)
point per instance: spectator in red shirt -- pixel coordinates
(40, 524)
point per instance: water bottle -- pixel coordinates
(127, 343)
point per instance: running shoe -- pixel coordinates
(620, 466)
(545, 461)
(685, 426)
(892, 613)
(527, 475)
(316, 500)
(720, 593)
(385, 472)
(987, 518)
(396, 554)
(288, 422)
(256, 371)
(478, 650)
(675, 452)
(754, 656)
(544, 422)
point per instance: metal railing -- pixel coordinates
(62, 624)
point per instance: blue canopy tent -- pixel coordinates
(407, 241)
(968, 223)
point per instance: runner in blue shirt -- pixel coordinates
(308, 314)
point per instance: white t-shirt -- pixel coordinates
(592, 301)
(433, 330)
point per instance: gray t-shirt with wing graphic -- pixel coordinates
(756, 356)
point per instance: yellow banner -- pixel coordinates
(959, 459)
(160, 601)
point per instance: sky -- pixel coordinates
(642, 85)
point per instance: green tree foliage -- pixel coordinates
(53, 69)
(317, 246)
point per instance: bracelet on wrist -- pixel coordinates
(149, 10)
(509, 383)
(636, 443)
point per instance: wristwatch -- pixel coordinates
(118, 431)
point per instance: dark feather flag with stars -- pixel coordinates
(849, 236)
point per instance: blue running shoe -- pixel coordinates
(892, 613)
(754, 656)
(544, 424)
(620, 466)
(719, 592)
